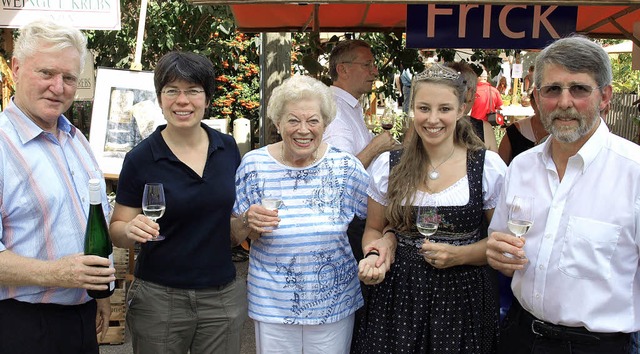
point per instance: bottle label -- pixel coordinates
(112, 285)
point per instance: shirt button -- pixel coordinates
(541, 267)
(537, 296)
(547, 236)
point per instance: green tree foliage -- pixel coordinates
(179, 25)
(625, 79)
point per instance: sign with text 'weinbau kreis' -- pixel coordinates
(488, 26)
(81, 14)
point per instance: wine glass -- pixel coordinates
(427, 221)
(520, 217)
(271, 198)
(387, 120)
(153, 204)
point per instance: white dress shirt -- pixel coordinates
(583, 247)
(347, 131)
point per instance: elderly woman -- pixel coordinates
(302, 285)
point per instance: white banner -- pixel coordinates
(87, 81)
(82, 14)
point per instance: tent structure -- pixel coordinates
(596, 18)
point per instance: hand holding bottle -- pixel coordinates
(79, 271)
(96, 239)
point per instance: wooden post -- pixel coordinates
(137, 57)
(7, 42)
(6, 87)
(275, 66)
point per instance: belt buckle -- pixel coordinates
(533, 327)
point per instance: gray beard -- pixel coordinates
(570, 135)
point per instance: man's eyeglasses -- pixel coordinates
(369, 65)
(576, 90)
(173, 93)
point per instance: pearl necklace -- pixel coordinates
(315, 157)
(434, 174)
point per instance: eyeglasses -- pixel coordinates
(576, 90)
(369, 65)
(173, 93)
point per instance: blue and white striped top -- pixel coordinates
(304, 272)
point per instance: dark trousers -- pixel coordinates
(517, 337)
(27, 328)
(355, 232)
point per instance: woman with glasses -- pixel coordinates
(185, 296)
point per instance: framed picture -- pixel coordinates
(125, 111)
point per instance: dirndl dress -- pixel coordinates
(422, 309)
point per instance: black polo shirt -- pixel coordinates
(196, 253)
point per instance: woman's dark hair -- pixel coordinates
(190, 67)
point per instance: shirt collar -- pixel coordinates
(594, 145)
(346, 96)
(160, 149)
(587, 153)
(28, 130)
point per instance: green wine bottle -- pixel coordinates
(96, 238)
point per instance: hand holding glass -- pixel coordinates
(427, 221)
(153, 204)
(520, 217)
(271, 199)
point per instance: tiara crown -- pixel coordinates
(437, 71)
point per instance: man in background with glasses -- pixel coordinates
(585, 240)
(353, 71)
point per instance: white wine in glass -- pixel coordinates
(153, 204)
(271, 198)
(520, 216)
(427, 221)
(272, 203)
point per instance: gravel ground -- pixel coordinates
(248, 344)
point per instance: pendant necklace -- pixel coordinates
(434, 174)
